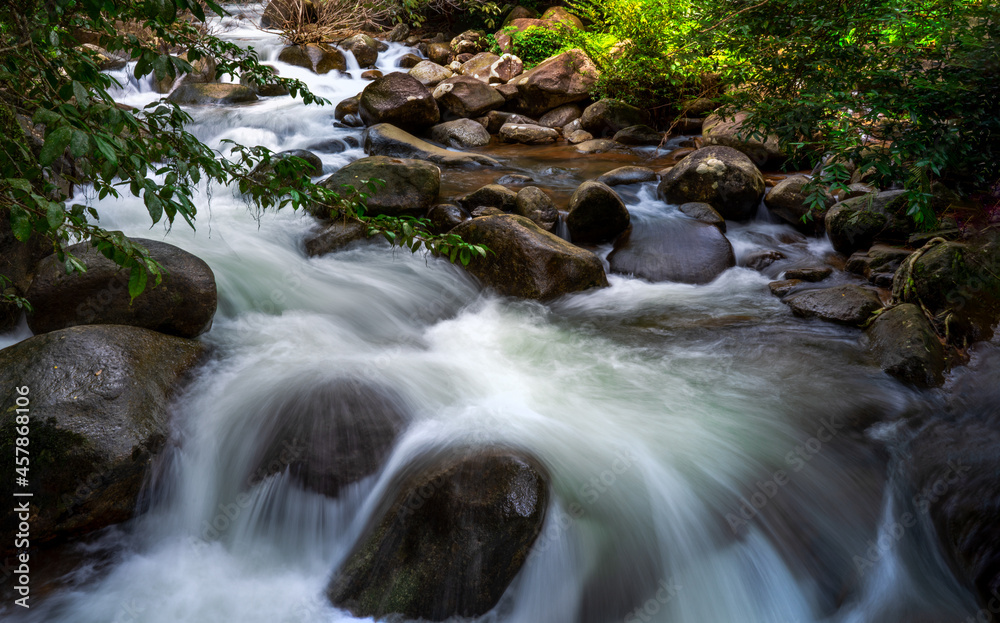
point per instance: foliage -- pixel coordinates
(536, 43)
(52, 88)
(905, 89)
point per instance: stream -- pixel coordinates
(712, 458)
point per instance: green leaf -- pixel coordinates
(20, 223)
(81, 95)
(19, 183)
(55, 215)
(106, 150)
(79, 145)
(55, 144)
(137, 280)
(154, 206)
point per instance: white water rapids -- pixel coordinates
(719, 448)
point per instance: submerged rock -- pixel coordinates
(527, 261)
(200, 94)
(337, 235)
(183, 304)
(332, 433)
(450, 535)
(675, 249)
(847, 304)
(719, 176)
(99, 399)
(385, 139)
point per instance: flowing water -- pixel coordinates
(712, 458)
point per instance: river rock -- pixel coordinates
(409, 61)
(491, 195)
(638, 135)
(784, 287)
(469, 42)
(480, 66)
(527, 261)
(328, 434)
(99, 398)
(265, 89)
(505, 69)
(563, 79)
(385, 139)
(855, 224)
(527, 134)
(905, 345)
(596, 214)
(363, 47)
(957, 283)
(336, 235)
(183, 304)
(496, 119)
(880, 258)
(577, 137)
(787, 201)
(319, 57)
(411, 186)
(846, 304)
(315, 168)
(812, 274)
(704, 213)
(347, 106)
(398, 99)
(212, 94)
(464, 96)
(371, 74)
(560, 116)
(398, 33)
(444, 217)
(429, 73)
(451, 534)
(607, 116)
(279, 13)
(439, 53)
(719, 176)
(460, 134)
(674, 249)
(627, 175)
(601, 146)
(718, 130)
(533, 203)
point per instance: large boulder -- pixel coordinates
(319, 57)
(596, 214)
(719, 176)
(99, 412)
(680, 250)
(430, 74)
(466, 97)
(728, 131)
(363, 47)
(183, 304)
(480, 66)
(846, 304)
(398, 99)
(341, 431)
(528, 262)
(411, 186)
(214, 94)
(533, 203)
(606, 117)
(460, 133)
(855, 224)
(385, 139)
(449, 537)
(905, 345)
(788, 202)
(958, 283)
(561, 15)
(563, 79)
(279, 13)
